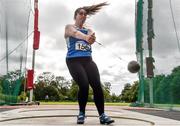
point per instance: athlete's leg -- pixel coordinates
(94, 80)
(79, 75)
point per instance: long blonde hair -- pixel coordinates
(91, 10)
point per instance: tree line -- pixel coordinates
(166, 88)
(58, 88)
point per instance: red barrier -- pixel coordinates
(36, 32)
(36, 40)
(30, 77)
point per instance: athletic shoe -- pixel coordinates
(104, 119)
(80, 118)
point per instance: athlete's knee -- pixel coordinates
(84, 88)
(96, 86)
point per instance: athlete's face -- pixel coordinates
(81, 16)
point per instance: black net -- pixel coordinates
(14, 25)
(161, 24)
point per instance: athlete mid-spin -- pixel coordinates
(80, 63)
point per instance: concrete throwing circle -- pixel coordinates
(71, 120)
(68, 117)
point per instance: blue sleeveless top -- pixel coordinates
(78, 47)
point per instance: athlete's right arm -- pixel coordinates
(73, 32)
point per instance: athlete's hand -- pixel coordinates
(91, 38)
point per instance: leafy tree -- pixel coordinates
(46, 77)
(1, 83)
(176, 69)
(90, 96)
(73, 91)
(115, 98)
(106, 86)
(156, 86)
(125, 93)
(39, 90)
(133, 92)
(52, 93)
(175, 84)
(63, 85)
(1, 89)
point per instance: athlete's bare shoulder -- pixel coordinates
(69, 26)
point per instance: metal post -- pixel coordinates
(150, 33)
(139, 48)
(36, 40)
(7, 51)
(151, 91)
(33, 66)
(142, 77)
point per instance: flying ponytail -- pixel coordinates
(91, 10)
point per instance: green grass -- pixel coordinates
(117, 104)
(89, 103)
(167, 105)
(58, 103)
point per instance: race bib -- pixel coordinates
(80, 45)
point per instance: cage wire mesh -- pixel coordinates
(14, 15)
(165, 51)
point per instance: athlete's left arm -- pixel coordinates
(92, 33)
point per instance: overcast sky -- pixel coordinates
(115, 29)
